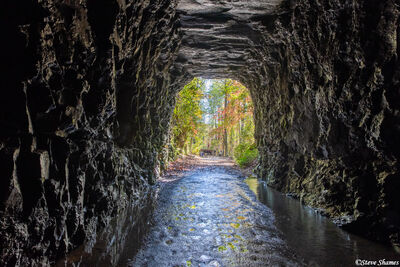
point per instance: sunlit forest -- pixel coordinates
(214, 117)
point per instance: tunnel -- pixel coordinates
(89, 86)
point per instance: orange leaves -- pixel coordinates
(238, 106)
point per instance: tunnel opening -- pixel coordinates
(214, 117)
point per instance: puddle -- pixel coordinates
(314, 237)
(214, 221)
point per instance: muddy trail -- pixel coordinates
(208, 214)
(209, 217)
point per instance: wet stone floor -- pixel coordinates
(209, 217)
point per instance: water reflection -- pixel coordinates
(314, 237)
(116, 243)
(209, 217)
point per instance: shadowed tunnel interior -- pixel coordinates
(88, 90)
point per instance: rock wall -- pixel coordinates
(90, 86)
(327, 110)
(85, 101)
(324, 78)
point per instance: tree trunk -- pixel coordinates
(225, 126)
(240, 131)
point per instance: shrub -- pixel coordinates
(245, 154)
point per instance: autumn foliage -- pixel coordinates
(215, 115)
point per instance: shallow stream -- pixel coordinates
(314, 237)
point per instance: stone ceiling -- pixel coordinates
(218, 35)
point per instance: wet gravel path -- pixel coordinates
(209, 217)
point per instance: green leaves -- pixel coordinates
(245, 153)
(216, 115)
(187, 113)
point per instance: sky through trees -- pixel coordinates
(214, 116)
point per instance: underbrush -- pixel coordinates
(245, 154)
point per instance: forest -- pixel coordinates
(214, 117)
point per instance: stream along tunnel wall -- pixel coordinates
(90, 87)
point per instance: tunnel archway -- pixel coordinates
(87, 101)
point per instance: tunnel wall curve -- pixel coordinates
(327, 111)
(84, 112)
(87, 103)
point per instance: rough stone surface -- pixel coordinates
(219, 36)
(89, 88)
(327, 111)
(324, 77)
(84, 109)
